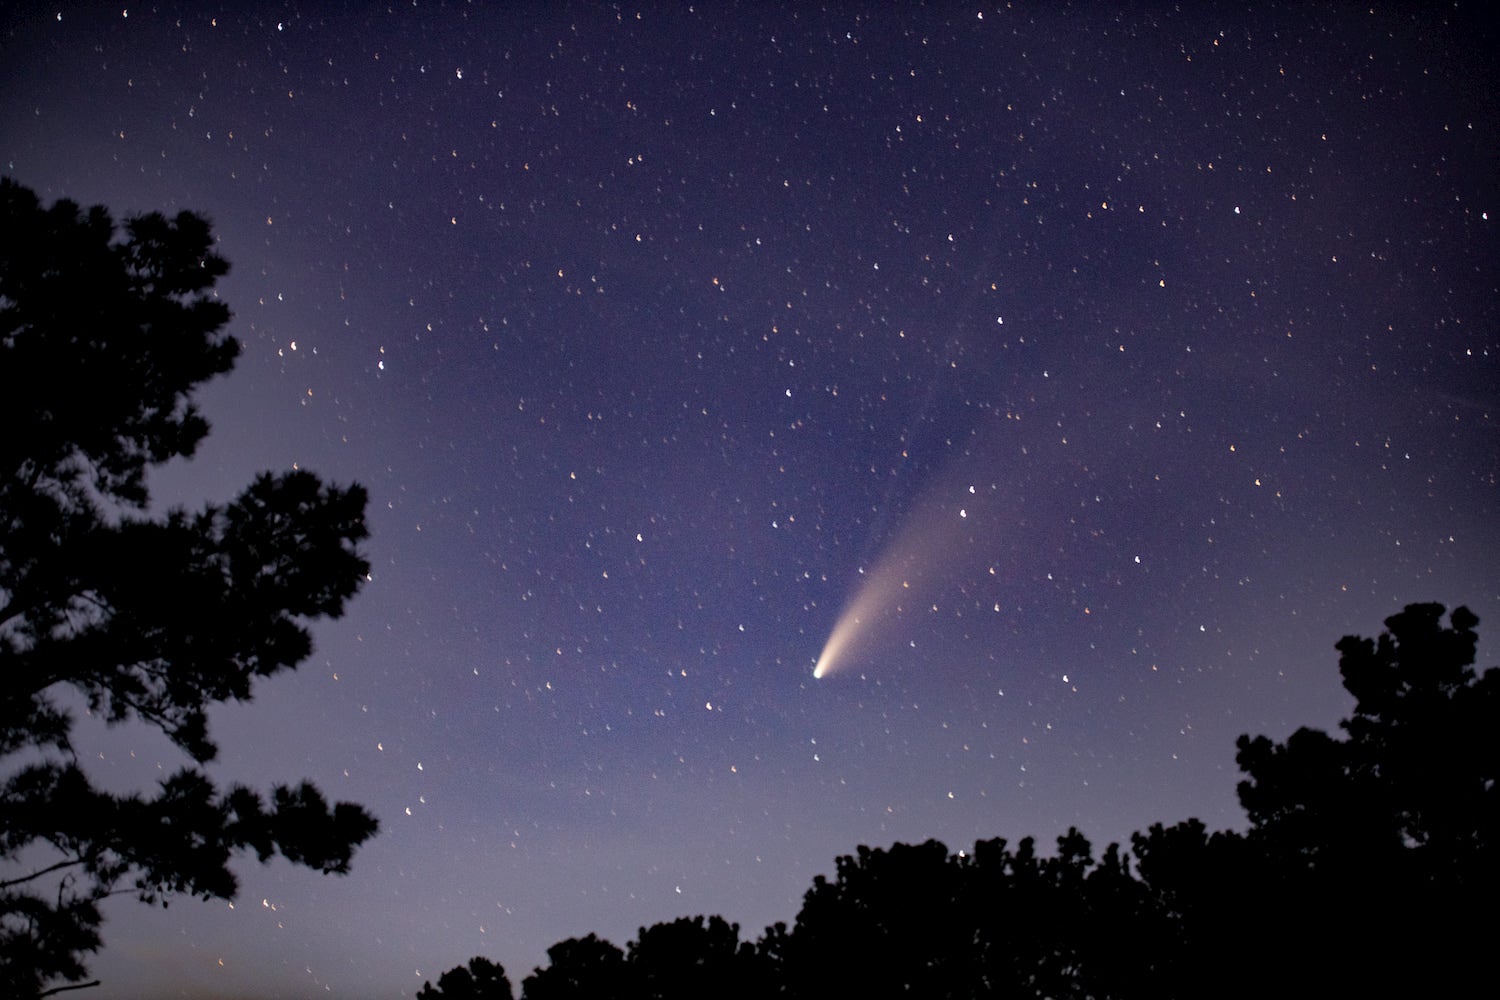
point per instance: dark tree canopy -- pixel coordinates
(684, 959)
(481, 979)
(103, 341)
(996, 921)
(1369, 864)
(1415, 779)
(578, 968)
(1368, 869)
(693, 957)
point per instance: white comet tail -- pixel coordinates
(880, 597)
(938, 544)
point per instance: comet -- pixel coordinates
(877, 598)
(937, 544)
(946, 542)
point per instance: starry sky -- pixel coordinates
(1085, 372)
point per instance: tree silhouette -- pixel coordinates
(1368, 869)
(588, 968)
(480, 980)
(1389, 836)
(889, 923)
(102, 343)
(1416, 778)
(917, 921)
(690, 958)
(1061, 926)
(1369, 864)
(1216, 912)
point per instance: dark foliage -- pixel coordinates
(154, 619)
(480, 980)
(579, 968)
(690, 958)
(1368, 869)
(1369, 864)
(685, 959)
(917, 921)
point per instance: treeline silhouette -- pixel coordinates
(1368, 869)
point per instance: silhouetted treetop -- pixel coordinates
(102, 343)
(1415, 779)
(578, 968)
(481, 979)
(153, 619)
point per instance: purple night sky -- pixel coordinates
(1106, 365)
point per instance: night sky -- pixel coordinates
(1086, 373)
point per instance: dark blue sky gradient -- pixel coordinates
(1167, 340)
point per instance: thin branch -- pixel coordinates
(71, 986)
(59, 866)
